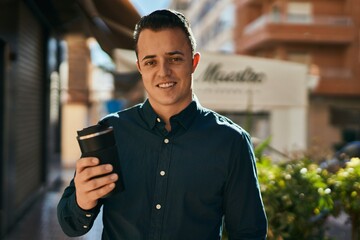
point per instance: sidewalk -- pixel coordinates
(40, 222)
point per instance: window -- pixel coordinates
(299, 57)
(299, 12)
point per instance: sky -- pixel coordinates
(146, 6)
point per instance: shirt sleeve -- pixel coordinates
(245, 216)
(73, 220)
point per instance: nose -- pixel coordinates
(164, 69)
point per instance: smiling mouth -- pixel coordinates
(166, 85)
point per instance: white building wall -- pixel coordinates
(211, 21)
(288, 129)
(234, 83)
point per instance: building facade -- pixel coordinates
(29, 113)
(212, 22)
(261, 112)
(322, 34)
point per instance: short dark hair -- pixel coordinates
(163, 19)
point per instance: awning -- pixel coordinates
(111, 22)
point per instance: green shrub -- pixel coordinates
(346, 190)
(296, 198)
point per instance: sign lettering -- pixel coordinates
(214, 74)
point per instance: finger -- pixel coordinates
(100, 182)
(84, 163)
(102, 191)
(96, 171)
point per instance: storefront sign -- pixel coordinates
(235, 82)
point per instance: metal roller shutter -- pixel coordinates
(28, 100)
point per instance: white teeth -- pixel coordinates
(166, 85)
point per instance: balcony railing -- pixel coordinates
(297, 19)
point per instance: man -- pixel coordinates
(186, 169)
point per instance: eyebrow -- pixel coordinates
(148, 57)
(168, 53)
(175, 53)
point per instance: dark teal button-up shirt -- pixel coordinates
(181, 184)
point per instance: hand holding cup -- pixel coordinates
(93, 181)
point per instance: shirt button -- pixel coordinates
(162, 173)
(158, 206)
(158, 119)
(85, 226)
(88, 215)
(166, 141)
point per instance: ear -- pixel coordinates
(196, 60)
(138, 66)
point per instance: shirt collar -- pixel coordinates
(185, 117)
(149, 114)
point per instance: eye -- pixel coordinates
(149, 63)
(176, 59)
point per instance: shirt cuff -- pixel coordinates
(85, 217)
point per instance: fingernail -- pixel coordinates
(108, 167)
(113, 176)
(111, 185)
(95, 160)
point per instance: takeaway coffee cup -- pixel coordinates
(99, 141)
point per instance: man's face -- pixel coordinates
(166, 65)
